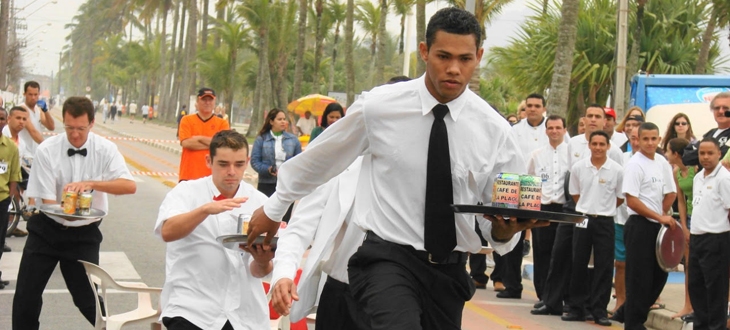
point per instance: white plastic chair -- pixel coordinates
(144, 312)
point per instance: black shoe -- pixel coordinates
(589, 317)
(689, 318)
(6, 248)
(544, 310)
(526, 248)
(479, 285)
(509, 294)
(570, 317)
(617, 317)
(604, 321)
(538, 304)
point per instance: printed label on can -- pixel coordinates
(70, 199)
(85, 203)
(530, 192)
(506, 191)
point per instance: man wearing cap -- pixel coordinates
(196, 131)
(617, 139)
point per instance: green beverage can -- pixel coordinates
(506, 191)
(530, 192)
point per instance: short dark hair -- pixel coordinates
(332, 107)
(711, 140)
(648, 126)
(555, 117)
(456, 21)
(537, 96)
(227, 139)
(677, 145)
(31, 83)
(78, 106)
(16, 108)
(601, 133)
(596, 105)
(398, 79)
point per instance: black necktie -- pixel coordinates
(72, 151)
(440, 231)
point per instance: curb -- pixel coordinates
(657, 319)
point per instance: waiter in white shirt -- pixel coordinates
(595, 186)
(550, 162)
(650, 191)
(410, 271)
(77, 161)
(37, 115)
(709, 253)
(323, 220)
(206, 285)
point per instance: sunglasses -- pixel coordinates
(681, 123)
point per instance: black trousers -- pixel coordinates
(4, 204)
(399, 290)
(499, 265)
(512, 275)
(268, 189)
(478, 262)
(180, 323)
(338, 309)
(543, 239)
(48, 244)
(645, 280)
(561, 261)
(599, 236)
(708, 273)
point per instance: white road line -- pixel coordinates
(115, 263)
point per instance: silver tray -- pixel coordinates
(232, 242)
(521, 215)
(670, 246)
(57, 210)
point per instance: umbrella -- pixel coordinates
(315, 103)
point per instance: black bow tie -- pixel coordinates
(72, 151)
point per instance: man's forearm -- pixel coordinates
(115, 187)
(47, 121)
(34, 133)
(668, 201)
(258, 270)
(182, 225)
(197, 142)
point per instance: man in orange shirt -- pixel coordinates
(196, 131)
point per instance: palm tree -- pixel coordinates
(719, 17)
(380, 61)
(369, 18)
(337, 12)
(258, 14)
(420, 33)
(233, 35)
(349, 58)
(301, 42)
(4, 19)
(563, 68)
(319, 32)
(403, 9)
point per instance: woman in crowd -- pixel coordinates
(679, 127)
(332, 113)
(683, 178)
(633, 111)
(272, 147)
(512, 119)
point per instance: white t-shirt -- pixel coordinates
(145, 110)
(306, 125)
(206, 283)
(598, 187)
(550, 164)
(622, 212)
(53, 169)
(711, 201)
(649, 180)
(132, 108)
(618, 139)
(28, 146)
(578, 149)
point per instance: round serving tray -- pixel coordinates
(57, 210)
(233, 242)
(521, 215)
(670, 247)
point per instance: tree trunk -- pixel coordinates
(334, 58)
(563, 67)
(204, 33)
(220, 15)
(163, 106)
(632, 65)
(318, 38)
(233, 56)
(349, 59)
(188, 86)
(701, 67)
(263, 83)
(282, 91)
(402, 44)
(420, 34)
(4, 19)
(301, 43)
(380, 61)
(179, 58)
(169, 87)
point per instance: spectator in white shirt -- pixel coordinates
(650, 191)
(206, 285)
(77, 161)
(393, 123)
(709, 253)
(306, 123)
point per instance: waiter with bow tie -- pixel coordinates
(77, 161)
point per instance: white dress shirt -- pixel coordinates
(711, 201)
(622, 212)
(29, 145)
(550, 164)
(649, 180)
(578, 149)
(618, 139)
(393, 123)
(53, 169)
(530, 138)
(206, 283)
(598, 187)
(322, 219)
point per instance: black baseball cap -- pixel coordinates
(205, 91)
(636, 118)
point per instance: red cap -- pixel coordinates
(610, 112)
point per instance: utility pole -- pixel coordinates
(4, 21)
(620, 83)
(59, 75)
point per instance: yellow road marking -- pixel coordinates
(490, 316)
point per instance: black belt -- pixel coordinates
(596, 216)
(336, 283)
(454, 257)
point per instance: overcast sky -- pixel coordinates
(46, 33)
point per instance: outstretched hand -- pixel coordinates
(224, 205)
(260, 223)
